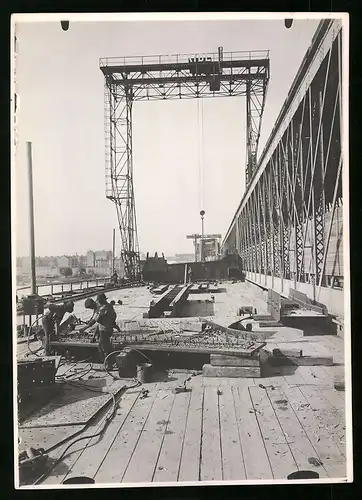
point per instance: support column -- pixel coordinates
(31, 219)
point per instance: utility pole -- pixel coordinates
(202, 213)
(113, 251)
(31, 219)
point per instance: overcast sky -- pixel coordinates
(62, 112)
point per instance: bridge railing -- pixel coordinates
(63, 286)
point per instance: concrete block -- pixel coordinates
(269, 324)
(231, 371)
(293, 353)
(302, 361)
(220, 360)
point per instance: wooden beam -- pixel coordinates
(231, 371)
(219, 360)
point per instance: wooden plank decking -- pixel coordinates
(222, 429)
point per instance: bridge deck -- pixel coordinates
(231, 429)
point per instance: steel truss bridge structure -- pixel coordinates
(288, 228)
(130, 79)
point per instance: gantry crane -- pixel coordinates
(146, 78)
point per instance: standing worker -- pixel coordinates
(52, 322)
(115, 278)
(105, 318)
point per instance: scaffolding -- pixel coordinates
(180, 76)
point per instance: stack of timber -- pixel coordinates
(288, 357)
(236, 366)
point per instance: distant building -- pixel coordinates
(90, 259)
(100, 263)
(23, 266)
(64, 261)
(45, 267)
(210, 247)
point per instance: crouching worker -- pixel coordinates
(104, 318)
(52, 322)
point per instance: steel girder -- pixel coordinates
(171, 77)
(288, 218)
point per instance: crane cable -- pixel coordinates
(200, 144)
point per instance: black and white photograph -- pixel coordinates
(180, 249)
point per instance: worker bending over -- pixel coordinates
(105, 318)
(52, 322)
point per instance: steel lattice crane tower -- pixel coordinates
(146, 78)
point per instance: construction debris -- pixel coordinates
(339, 385)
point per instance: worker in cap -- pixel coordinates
(52, 322)
(105, 320)
(89, 303)
(101, 298)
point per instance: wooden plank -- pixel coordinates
(325, 379)
(292, 375)
(216, 381)
(56, 476)
(119, 454)
(47, 437)
(69, 408)
(257, 465)
(232, 458)
(335, 397)
(218, 360)
(191, 446)
(150, 441)
(333, 461)
(211, 465)
(91, 459)
(308, 376)
(168, 463)
(297, 439)
(330, 419)
(230, 371)
(335, 347)
(279, 454)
